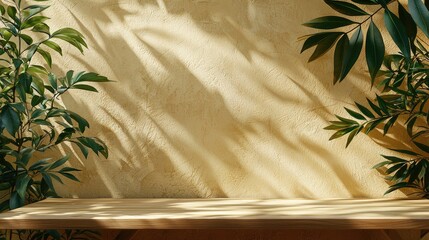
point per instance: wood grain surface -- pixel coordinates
(219, 214)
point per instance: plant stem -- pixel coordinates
(369, 17)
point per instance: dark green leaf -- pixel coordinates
(59, 162)
(365, 2)
(374, 50)
(340, 49)
(352, 53)
(15, 201)
(398, 33)
(329, 22)
(46, 55)
(346, 8)
(355, 114)
(314, 39)
(365, 110)
(420, 14)
(22, 184)
(410, 25)
(10, 119)
(422, 146)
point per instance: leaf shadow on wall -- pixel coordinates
(175, 132)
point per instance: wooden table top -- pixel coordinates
(219, 214)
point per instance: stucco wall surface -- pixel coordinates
(212, 99)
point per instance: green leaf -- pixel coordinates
(422, 146)
(33, 10)
(329, 22)
(340, 49)
(91, 77)
(420, 14)
(53, 46)
(41, 27)
(10, 119)
(394, 168)
(32, 50)
(389, 124)
(397, 32)
(398, 186)
(394, 159)
(374, 107)
(27, 39)
(84, 87)
(323, 46)
(83, 124)
(352, 52)
(381, 164)
(82, 148)
(22, 184)
(374, 50)
(365, 110)
(69, 176)
(59, 162)
(31, 22)
(346, 8)
(365, 2)
(48, 180)
(15, 201)
(355, 114)
(46, 55)
(409, 24)
(404, 151)
(314, 39)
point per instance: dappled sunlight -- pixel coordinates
(211, 99)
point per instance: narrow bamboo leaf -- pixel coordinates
(59, 162)
(394, 159)
(410, 25)
(422, 146)
(329, 22)
(389, 124)
(365, 2)
(365, 110)
(69, 176)
(398, 33)
(394, 168)
(346, 8)
(381, 164)
(323, 47)
(410, 126)
(374, 107)
(340, 49)
(352, 53)
(355, 114)
(420, 14)
(314, 39)
(374, 50)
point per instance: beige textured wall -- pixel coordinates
(212, 99)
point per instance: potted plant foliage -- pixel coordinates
(402, 77)
(32, 119)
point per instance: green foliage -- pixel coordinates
(32, 120)
(403, 79)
